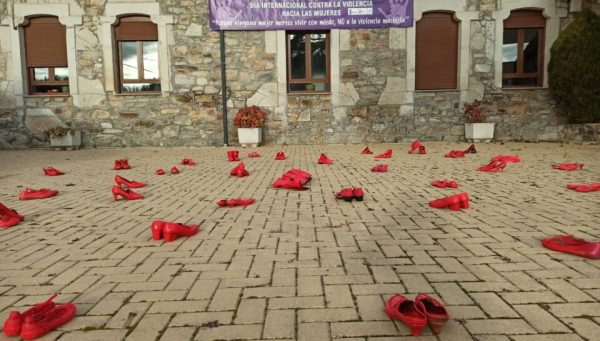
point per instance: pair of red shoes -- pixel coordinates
(170, 231)
(233, 155)
(418, 313)
(568, 166)
(380, 169)
(9, 217)
(385, 155)
(444, 183)
(454, 202)
(293, 179)
(347, 194)
(280, 156)
(593, 187)
(572, 245)
(160, 171)
(187, 162)
(499, 162)
(29, 194)
(366, 151)
(126, 193)
(235, 202)
(38, 320)
(121, 164)
(324, 160)
(51, 171)
(253, 154)
(416, 145)
(239, 170)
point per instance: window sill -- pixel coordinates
(307, 93)
(438, 90)
(47, 95)
(131, 94)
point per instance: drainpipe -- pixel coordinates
(224, 89)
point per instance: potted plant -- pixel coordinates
(475, 126)
(64, 136)
(249, 122)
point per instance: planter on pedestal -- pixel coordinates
(250, 136)
(479, 131)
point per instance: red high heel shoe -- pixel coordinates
(280, 156)
(572, 245)
(358, 193)
(131, 184)
(157, 229)
(125, 193)
(507, 158)
(585, 188)
(10, 213)
(160, 172)
(187, 162)
(51, 171)
(324, 160)
(385, 155)
(401, 308)
(436, 313)
(366, 151)
(494, 166)
(455, 154)
(454, 202)
(568, 166)
(172, 230)
(414, 146)
(347, 194)
(471, 149)
(7, 221)
(174, 170)
(29, 194)
(41, 324)
(12, 325)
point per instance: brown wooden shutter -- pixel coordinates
(525, 18)
(436, 52)
(45, 42)
(136, 29)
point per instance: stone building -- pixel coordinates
(377, 87)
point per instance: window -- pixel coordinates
(436, 65)
(308, 62)
(46, 56)
(523, 49)
(136, 40)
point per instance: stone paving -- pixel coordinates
(303, 265)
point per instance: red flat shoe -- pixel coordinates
(41, 324)
(172, 230)
(593, 187)
(568, 166)
(324, 160)
(157, 229)
(455, 154)
(187, 162)
(358, 193)
(436, 313)
(174, 170)
(366, 151)
(125, 193)
(454, 202)
(131, 184)
(10, 212)
(125, 164)
(572, 245)
(414, 146)
(51, 171)
(471, 149)
(400, 308)
(159, 172)
(385, 155)
(12, 325)
(29, 194)
(422, 150)
(347, 194)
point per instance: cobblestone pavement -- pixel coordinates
(303, 265)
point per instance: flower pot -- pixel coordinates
(69, 141)
(250, 136)
(479, 131)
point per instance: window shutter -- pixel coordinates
(436, 52)
(525, 19)
(136, 29)
(45, 42)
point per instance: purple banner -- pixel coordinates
(252, 15)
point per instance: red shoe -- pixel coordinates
(444, 184)
(29, 194)
(288, 183)
(422, 150)
(232, 155)
(436, 313)
(236, 202)
(380, 169)
(239, 170)
(10, 213)
(6, 221)
(454, 202)
(51, 171)
(174, 170)
(131, 184)
(401, 308)
(172, 230)
(494, 166)
(568, 166)
(222, 202)
(414, 146)
(471, 149)
(385, 155)
(187, 162)
(12, 325)
(324, 160)
(253, 154)
(507, 158)
(160, 171)
(366, 151)
(280, 156)
(347, 194)
(41, 324)
(572, 245)
(299, 173)
(125, 193)
(118, 165)
(585, 188)
(358, 193)
(455, 154)
(125, 164)
(157, 229)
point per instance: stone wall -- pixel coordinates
(371, 98)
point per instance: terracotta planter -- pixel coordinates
(479, 131)
(250, 136)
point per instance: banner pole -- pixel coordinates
(224, 89)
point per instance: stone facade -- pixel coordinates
(372, 95)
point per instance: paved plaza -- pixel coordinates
(301, 264)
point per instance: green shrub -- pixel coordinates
(574, 69)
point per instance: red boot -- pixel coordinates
(12, 325)
(436, 313)
(572, 245)
(568, 166)
(366, 151)
(347, 194)
(232, 155)
(131, 184)
(401, 308)
(324, 160)
(157, 229)
(414, 146)
(454, 202)
(29, 194)
(172, 230)
(51, 171)
(125, 193)
(41, 324)
(385, 155)
(187, 162)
